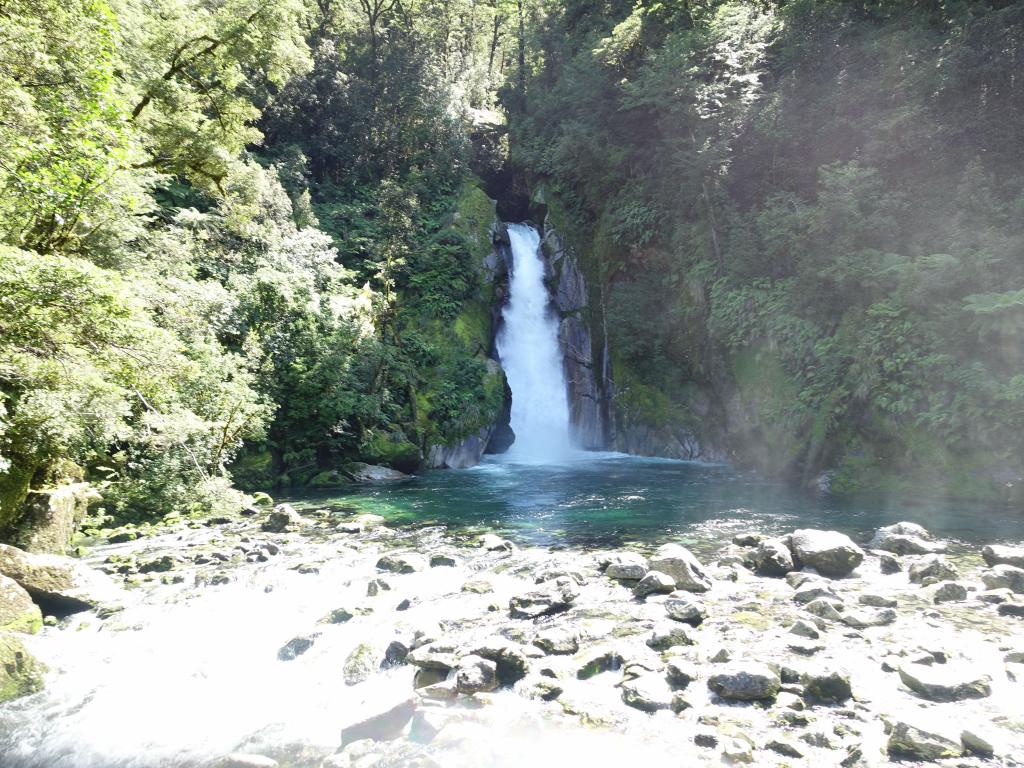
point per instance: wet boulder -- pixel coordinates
(17, 611)
(52, 516)
(905, 539)
(20, 673)
(296, 647)
(510, 659)
(373, 473)
(360, 664)
(773, 558)
(1004, 577)
(628, 566)
(552, 597)
(830, 553)
(827, 685)
(745, 681)
(680, 672)
(996, 554)
(655, 582)
(403, 562)
(494, 543)
(475, 674)
(283, 518)
(558, 641)
(862, 619)
(668, 636)
(648, 693)
(932, 569)
(949, 592)
(59, 585)
(681, 607)
(682, 566)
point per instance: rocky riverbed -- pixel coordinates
(328, 639)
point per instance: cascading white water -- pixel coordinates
(529, 352)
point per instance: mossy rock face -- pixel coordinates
(392, 450)
(20, 673)
(17, 611)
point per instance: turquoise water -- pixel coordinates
(609, 499)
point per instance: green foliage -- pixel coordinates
(824, 185)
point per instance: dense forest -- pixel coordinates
(241, 241)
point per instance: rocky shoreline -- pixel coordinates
(806, 649)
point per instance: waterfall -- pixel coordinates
(530, 354)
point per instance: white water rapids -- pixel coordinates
(530, 354)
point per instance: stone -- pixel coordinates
(494, 543)
(360, 664)
(245, 760)
(747, 539)
(17, 611)
(478, 586)
(995, 596)
(553, 597)
(737, 751)
(403, 562)
(864, 619)
(949, 592)
(785, 748)
(628, 566)
(385, 725)
(889, 564)
(876, 601)
(830, 553)
(803, 628)
(337, 616)
(905, 539)
(1004, 577)
(475, 675)
(721, 656)
(52, 516)
(745, 681)
(681, 607)
(654, 582)
(805, 648)
(443, 561)
(1011, 609)
(797, 579)
(824, 609)
(598, 661)
(680, 672)
(20, 673)
(281, 519)
(558, 641)
(668, 636)
(440, 655)
(996, 554)
(58, 584)
(773, 558)
(945, 682)
(372, 473)
(510, 659)
(376, 586)
(296, 647)
(911, 741)
(648, 693)
(933, 567)
(978, 742)
(816, 590)
(681, 565)
(827, 685)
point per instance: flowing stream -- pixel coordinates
(530, 355)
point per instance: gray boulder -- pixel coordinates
(1004, 577)
(681, 565)
(773, 558)
(950, 592)
(372, 473)
(52, 516)
(862, 619)
(403, 562)
(827, 685)
(648, 693)
(475, 675)
(921, 742)
(558, 641)
(552, 597)
(655, 582)
(905, 539)
(745, 681)
(628, 566)
(283, 518)
(681, 607)
(60, 585)
(931, 569)
(945, 682)
(830, 553)
(20, 673)
(383, 725)
(494, 543)
(996, 554)
(668, 636)
(360, 665)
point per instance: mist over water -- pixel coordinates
(529, 352)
